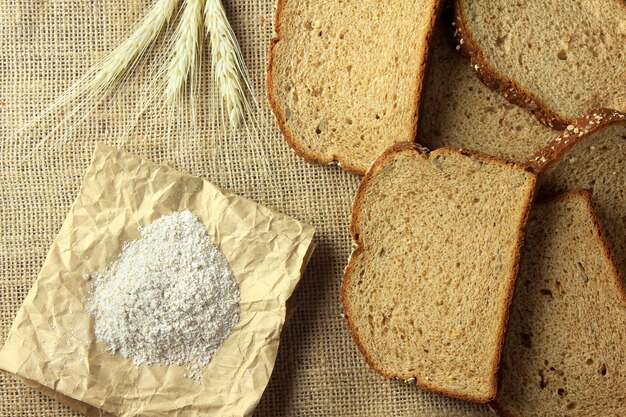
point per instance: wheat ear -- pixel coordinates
(95, 85)
(126, 55)
(185, 50)
(227, 64)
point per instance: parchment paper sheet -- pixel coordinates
(52, 342)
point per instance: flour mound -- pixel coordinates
(170, 298)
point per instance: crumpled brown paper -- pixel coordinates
(52, 344)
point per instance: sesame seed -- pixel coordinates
(570, 127)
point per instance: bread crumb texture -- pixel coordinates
(564, 354)
(460, 111)
(565, 56)
(344, 76)
(428, 290)
(594, 158)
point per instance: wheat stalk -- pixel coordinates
(227, 64)
(230, 81)
(126, 55)
(185, 51)
(99, 81)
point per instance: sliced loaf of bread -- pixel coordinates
(460, 111)
(558, 58)
(344, 78)
(591, 154)
(566, 344)
(427, 290)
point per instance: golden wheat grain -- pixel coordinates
(126, 55)
(185, 51)
(228, 68)
(100, 80)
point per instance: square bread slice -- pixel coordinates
(565, 352)
(591, 154)
(460, 111)
(558, 58)
(344, 79)
(427, 290)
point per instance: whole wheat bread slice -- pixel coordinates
(559, 58)
(460, 111)
(344, 78)
(427, 290)
(591, 154)
(565, 353)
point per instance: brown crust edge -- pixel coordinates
(512, 92)
(354, 230)
(579, 130)
(621, 285)
(280, 117)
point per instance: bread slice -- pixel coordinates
(566, 343)
(344, 78)
(558, 58)
(427, 290)
(460, 111)
(591, 154)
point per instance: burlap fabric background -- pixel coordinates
(45, 45)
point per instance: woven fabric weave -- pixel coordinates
(44, 46)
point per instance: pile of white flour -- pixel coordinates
(170, 297)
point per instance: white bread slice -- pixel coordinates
(427, 290)
(460, 111)
(591, 154)
(559, 58)
(344, 78)
(565, 349)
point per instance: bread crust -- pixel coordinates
(357, 238)
(578, 131)
(292, 141)
(499, 408)
(511, 91)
